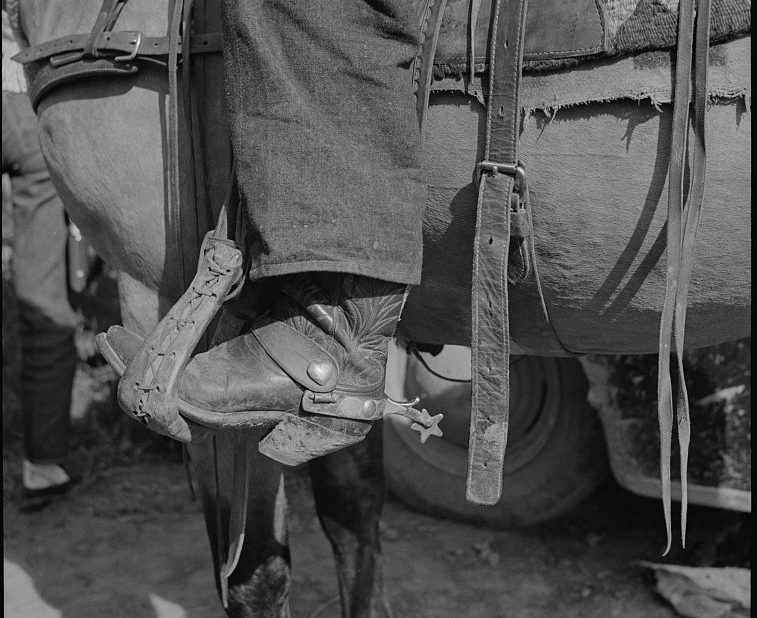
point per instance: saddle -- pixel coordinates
(514, 33)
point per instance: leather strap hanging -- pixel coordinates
(235, 531)
(683, 220)
(490, 341)
(173, 179)
(424, 62)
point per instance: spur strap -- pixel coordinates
(490, 349)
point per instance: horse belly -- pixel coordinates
(596, 174)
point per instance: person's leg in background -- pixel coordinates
(47, 321)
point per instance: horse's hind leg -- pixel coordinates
(348, 487)
(259, 585)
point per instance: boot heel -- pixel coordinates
(297, 440)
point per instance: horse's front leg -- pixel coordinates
(258, 586)
(348, 487)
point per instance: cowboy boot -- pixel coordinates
(319, 354)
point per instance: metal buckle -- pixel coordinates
(517, 170)
(137, 42)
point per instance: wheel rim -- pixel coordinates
(535, 394)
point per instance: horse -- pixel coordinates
(596, 175)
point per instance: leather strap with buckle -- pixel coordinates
(490, 341)
(103, 52)
(121, 46)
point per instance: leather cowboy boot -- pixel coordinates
(319, 353)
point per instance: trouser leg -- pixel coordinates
(46, 319)
(325, 134)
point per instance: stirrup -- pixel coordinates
(151, 368)
(119, 346)
(148, 387)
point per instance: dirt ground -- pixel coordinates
(129, 542)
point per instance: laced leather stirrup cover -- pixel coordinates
(149, 385)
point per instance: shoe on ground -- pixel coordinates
(42, 483)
